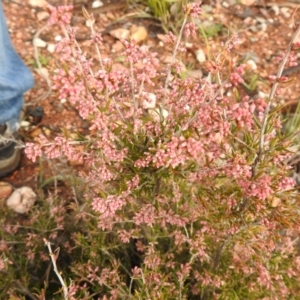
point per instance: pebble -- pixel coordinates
(36, 132)
(38, 3)
(42, 15)
(59, 107)
(120, 33)
(51, 48)
(57, 38)
(85, 124)
(195, 74)
(117, 46)
(39, 43)
(97, 4)
(5, 190)
(200, 55)
(286, 12)
(247, 2)
(21, 200)
(140, 34)
(251, 64)
(78, 162)
(110, 16)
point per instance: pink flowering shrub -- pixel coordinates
(187, 193)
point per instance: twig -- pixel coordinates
(173, 60)
(39, 66)
(271, 98)
(53, 259)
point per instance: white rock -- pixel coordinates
(51, 48)
(21, 200)
(97, 4)
(149, 101)
(57, 38)
(261, 94)
(38, 3)
(24, 124)
(247, 2)
(42, 15)
(89, 23)
(43, 72)
(39, 43)
(195, 73)
(225, 4)
(120, 33)
(251, 64)
(286, 12)
(139, 34)
(159, 114)
(275, 8)
(189, 45)
(200, 55)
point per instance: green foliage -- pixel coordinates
(210, 30)
(292, 121)
(160, 9)
(43, 60)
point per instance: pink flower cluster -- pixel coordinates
(60, 15)
(171, 164)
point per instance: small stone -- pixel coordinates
(119, 67)
(80, 161)
(97, 4)
(120, 33)
(51, 48)
(110, 16)
(167, 59)
(42, 72)
(57, 38)
(195, 74)
(89, 23)
(47, 131)
(85, 124)
(140, 34)
(42, 15)
(174, 9)
(5, 190)
(117, 46)
(159, 114)
(247, 2)
(276, 10)
(148, 100)
(21, 200)
(251, 64)
(24, 124)
(189, 45)
(59, 107)
(38, 3)
(200, 55)
(39, 43)
(161, 37)
(36, 132)
(286, 12)
(275, 202)
(103, 18)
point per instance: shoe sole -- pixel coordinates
(9, 164)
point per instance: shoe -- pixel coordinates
(10, 155)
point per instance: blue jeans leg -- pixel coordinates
(15, 78)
